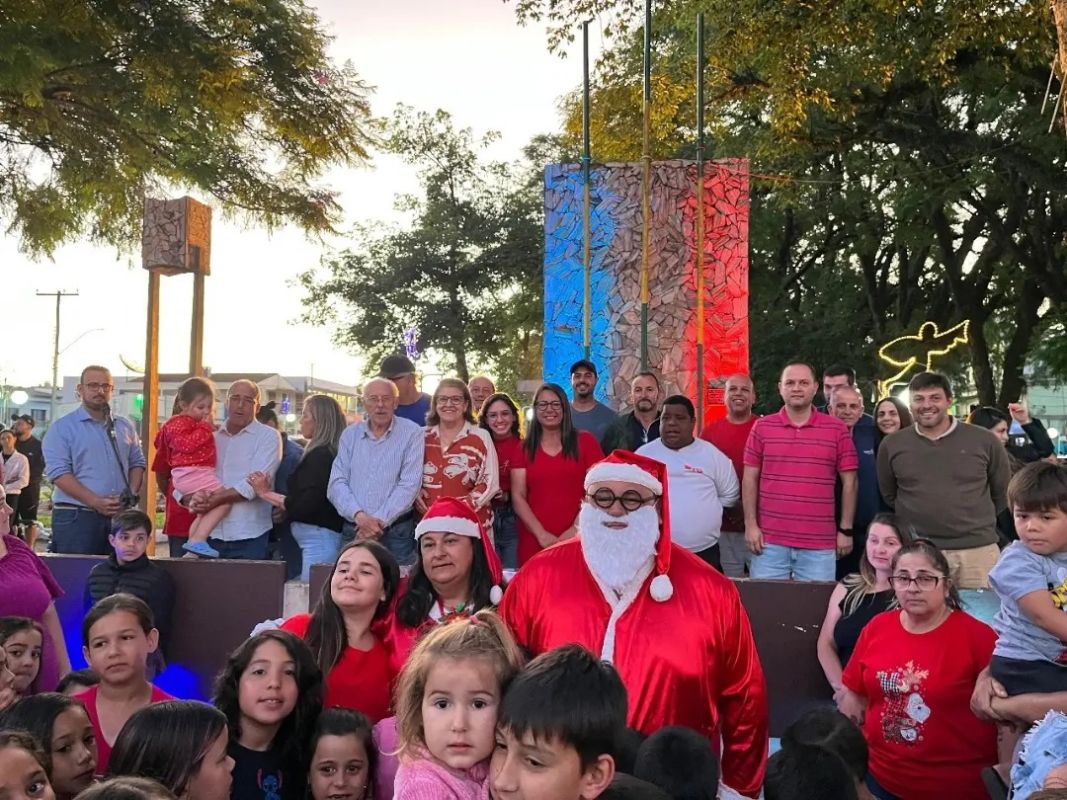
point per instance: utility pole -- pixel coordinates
(58, 295)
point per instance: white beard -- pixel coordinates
(617, 557)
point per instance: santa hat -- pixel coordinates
(622, 465)
(451, 515)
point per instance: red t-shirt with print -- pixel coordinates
(924, 741)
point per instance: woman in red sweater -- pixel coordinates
(501, 418)
(353, 659)
(909, 682)
(547, 492)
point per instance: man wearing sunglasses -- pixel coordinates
(95, 463)
(673, 627)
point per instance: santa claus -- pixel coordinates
(673, 627)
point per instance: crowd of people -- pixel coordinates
(542, 610)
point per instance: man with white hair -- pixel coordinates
(674, 629)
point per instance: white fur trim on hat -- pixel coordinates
(456, 525)
(617, 471)
(661, 589)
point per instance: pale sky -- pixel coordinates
(468, 57)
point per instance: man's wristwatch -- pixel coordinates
(845, 532)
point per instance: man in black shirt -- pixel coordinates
(30, 446)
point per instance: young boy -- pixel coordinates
(808, 772)
(831, 730)
(680, 761)
(558, 728)
(128, 569)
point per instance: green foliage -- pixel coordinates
(901, 168)
(467, 270)
(104, 101)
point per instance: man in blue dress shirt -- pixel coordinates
(93, 461)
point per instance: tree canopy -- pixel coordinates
(902, 170)
(102, 101)
(466, 271)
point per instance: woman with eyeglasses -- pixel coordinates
(547, 492)
(909, 684)
(459, 460)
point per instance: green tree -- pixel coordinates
(901, 169)
(102, 102)
(467, 270)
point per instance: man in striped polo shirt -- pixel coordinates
(792, 462)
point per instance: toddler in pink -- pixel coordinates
(189, 438)
(447, 702)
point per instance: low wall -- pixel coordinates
(216, 605)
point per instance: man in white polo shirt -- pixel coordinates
(702, 480)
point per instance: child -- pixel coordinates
(129, 569)
(559, 726)
(22, 640)
(118, 635)
(180, 743)
(128, 789)
(446, 708)
(62, 728)
(342, 756)
(808, 772)
(627, 787)
(681, 762)
(77, 681)
(189, 440)
(831, 730)
(1031, 581)
(271, 693)
(23, 767)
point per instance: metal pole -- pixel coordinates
(700, 224)
(587, 261)
(646, 180)
(58, 295)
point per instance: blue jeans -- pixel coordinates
(398, 539)
(317, 546)
(879, 791)
(81, 531)
(506, 536)
(254, 549)
(778, 562)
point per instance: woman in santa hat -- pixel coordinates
(457, 572)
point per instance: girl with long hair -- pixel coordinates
(340, 630)
(271, 693)
(315, 523)
(181, 744)
(858, 598)
(501, 418)
(63, 729)
(547, 492)
(343, 756)
(23, 640)
(23, 767)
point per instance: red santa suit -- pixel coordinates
(680, 639)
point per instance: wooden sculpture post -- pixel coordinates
(175, 239)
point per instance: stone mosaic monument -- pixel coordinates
(616, 219)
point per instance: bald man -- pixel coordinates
(481, 388)
(846, 403)
(244, 446)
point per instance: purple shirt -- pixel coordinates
(28, 589)
(798, 472)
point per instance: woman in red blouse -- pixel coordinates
(460, 460)
(547, 492)
(501, 418)
(909, 682)
(339, 631)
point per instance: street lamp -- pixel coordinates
(18, 397)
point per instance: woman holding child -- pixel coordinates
(909, 683)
